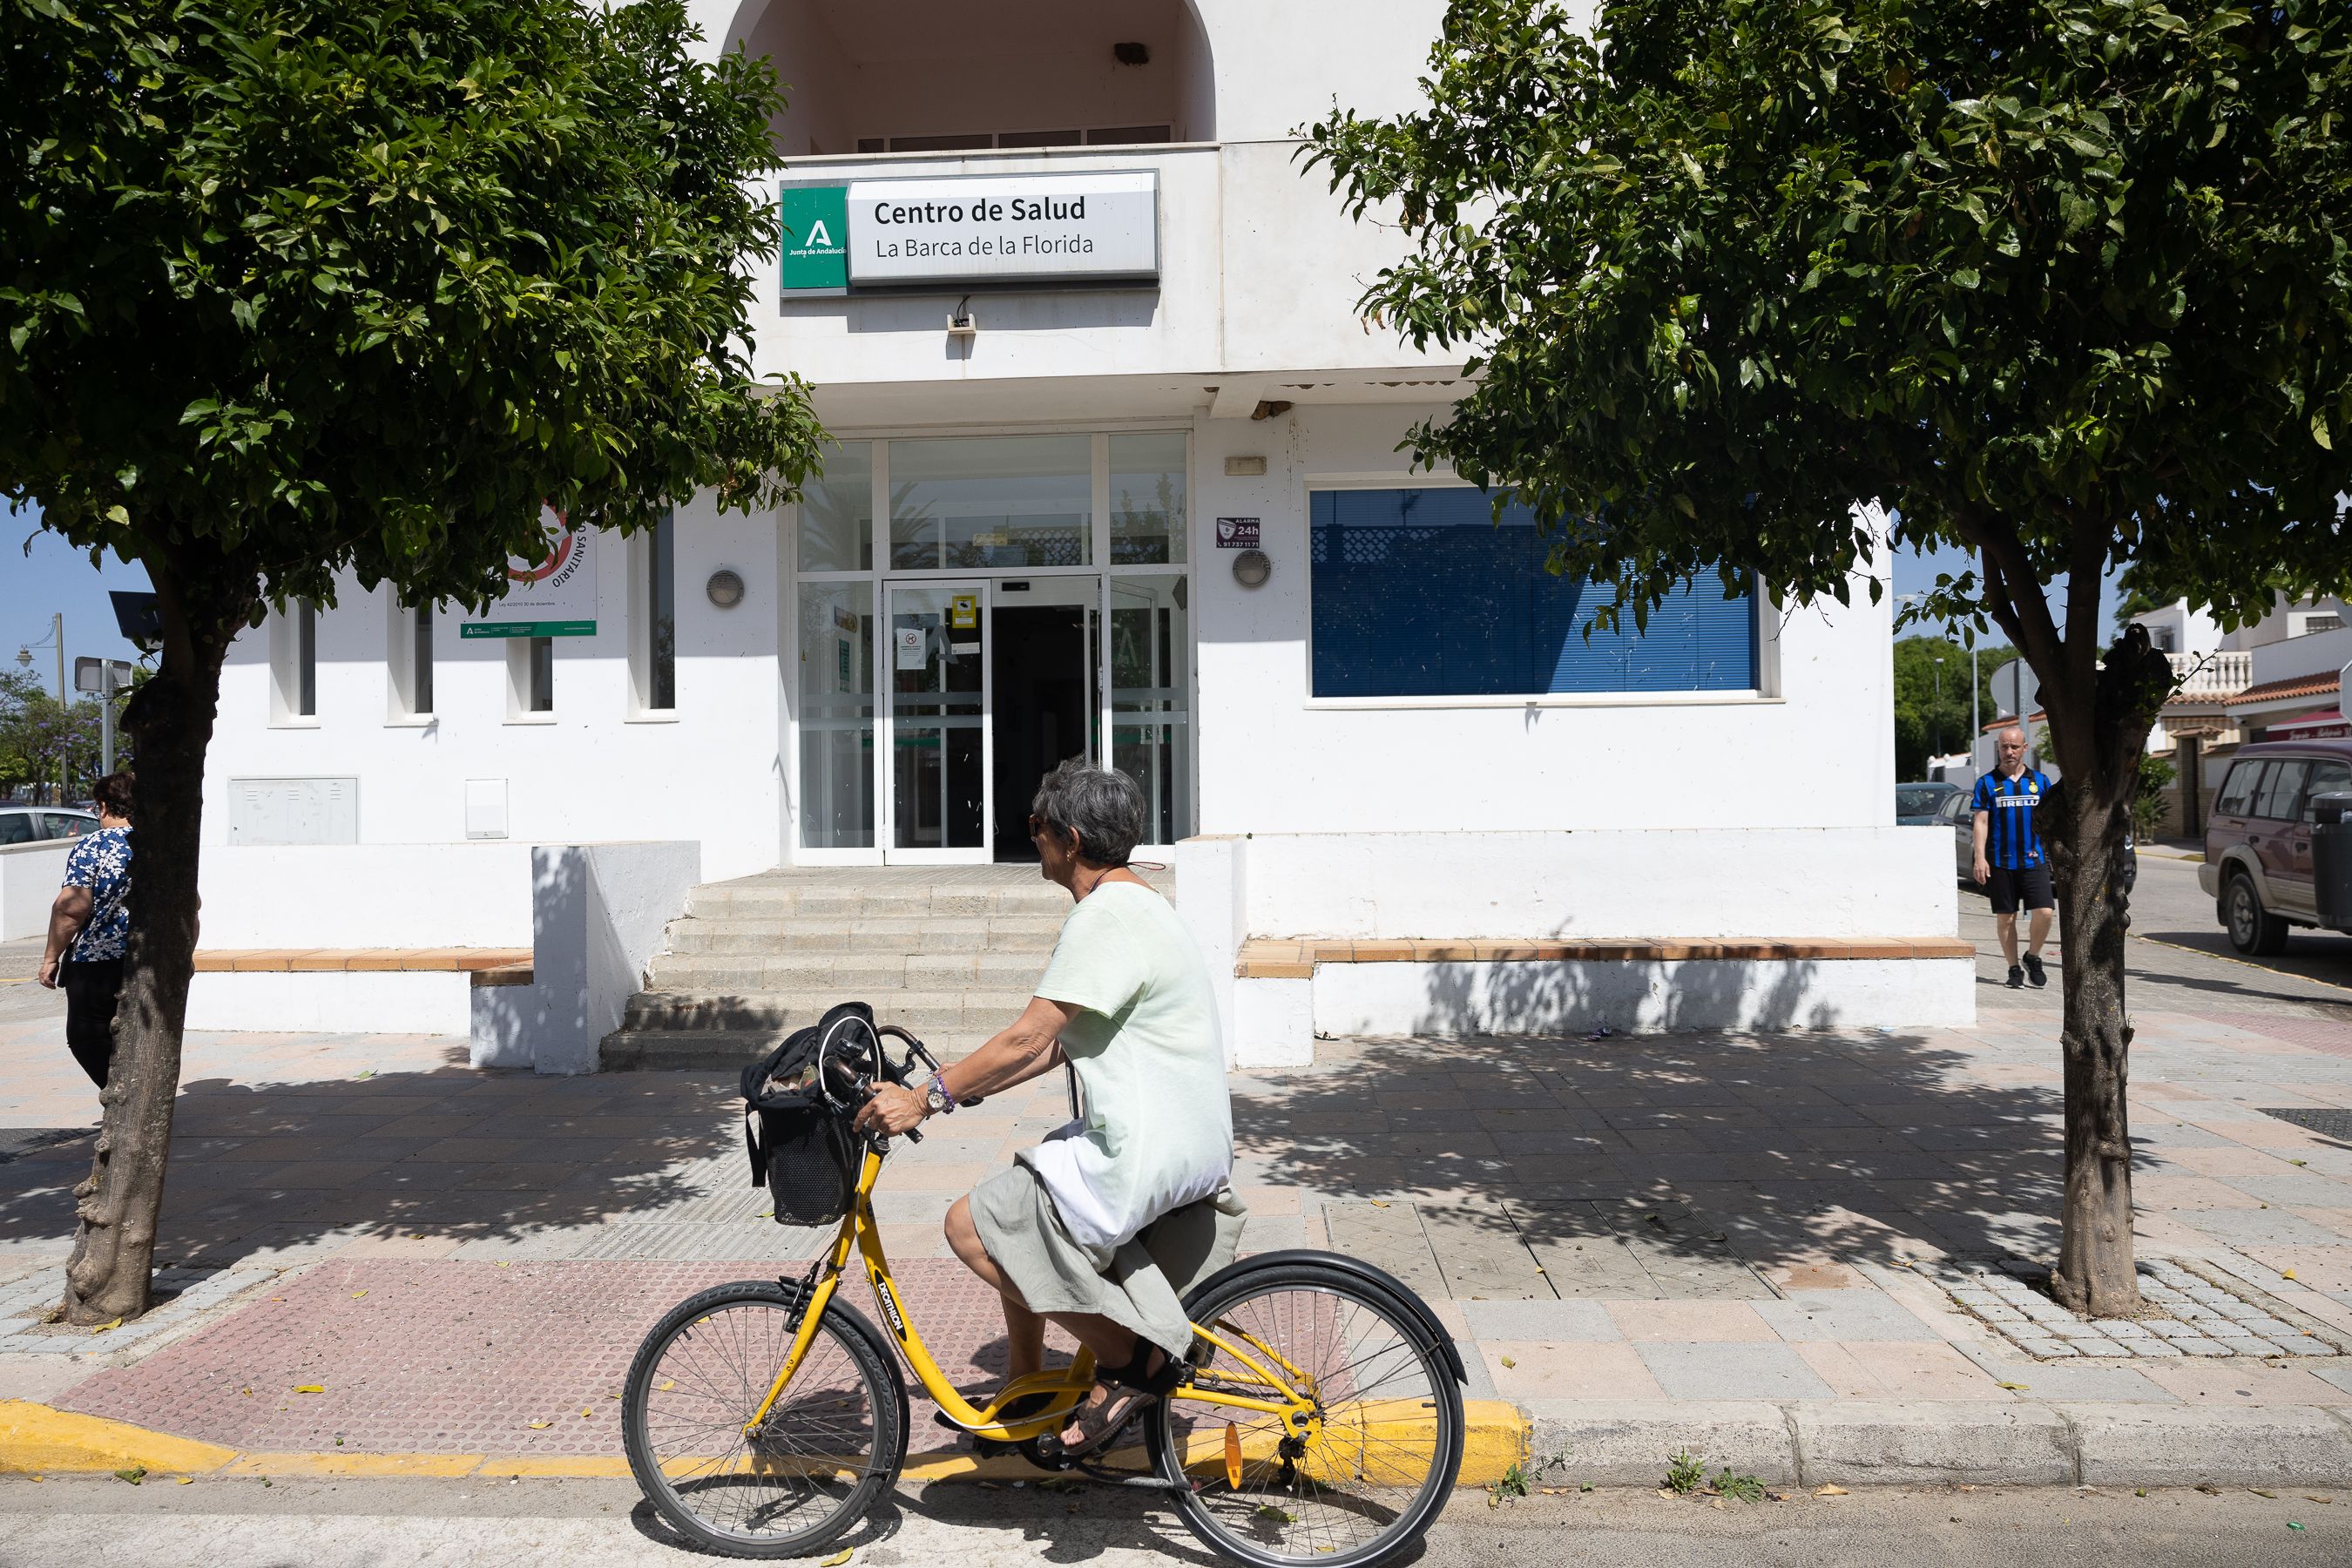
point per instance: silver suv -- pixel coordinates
(32, 824)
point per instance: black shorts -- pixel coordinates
(2027, 885)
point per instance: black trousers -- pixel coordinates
(90, 989)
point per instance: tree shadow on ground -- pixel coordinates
(410, 1161)
(1794, 1150)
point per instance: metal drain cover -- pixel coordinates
(2327, 1123)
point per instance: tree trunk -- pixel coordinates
(172, 719)
(2084, 822)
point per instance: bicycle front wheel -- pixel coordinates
(808, 1470)
(1385, 1446)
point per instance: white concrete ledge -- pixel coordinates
(373, 1001)
(2021, 1442)
(1638, 997)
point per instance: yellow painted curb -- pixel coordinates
(34, 1439)
(1495, 1437)
(577, 1467)
(356, 1465)
(37, 1438)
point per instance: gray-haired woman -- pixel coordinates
(1105, 1225)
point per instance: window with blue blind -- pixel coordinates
(1421, 592)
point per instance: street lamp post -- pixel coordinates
(1939, 706)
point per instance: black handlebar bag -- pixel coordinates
(797, 1135)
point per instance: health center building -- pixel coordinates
(1117, 474)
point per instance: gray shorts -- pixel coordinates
(1140, 1285)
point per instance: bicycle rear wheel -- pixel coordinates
(826, 1449)
(1387, 1446)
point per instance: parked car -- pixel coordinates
(31, 824)
(2257, 865)
(1921, 804)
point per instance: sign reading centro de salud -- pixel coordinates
(1088, 227)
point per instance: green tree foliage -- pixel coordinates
(296, 289)
(1919, 719)
(2157, 777)
(2061, 282)
(42, 744)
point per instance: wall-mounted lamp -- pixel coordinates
(1252, 568)
(725, 589)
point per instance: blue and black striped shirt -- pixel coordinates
(2009, 839)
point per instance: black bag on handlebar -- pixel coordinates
(798, 1137)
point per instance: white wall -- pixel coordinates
(599, 911)
(30, 874)
(366, 895)
(2320, 653)
(710, 774)
(1753, 882)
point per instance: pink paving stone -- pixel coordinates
(451, 1357)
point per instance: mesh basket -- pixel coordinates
(811, 1157)
(799, 1142)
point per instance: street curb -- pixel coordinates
(36, 1439)
(1958, 1442)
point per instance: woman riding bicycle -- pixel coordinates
(1104, 1226)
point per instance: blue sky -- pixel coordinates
(1915, 570)
(55, 577)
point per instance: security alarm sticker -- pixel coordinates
(963, 612)
(1238, 534)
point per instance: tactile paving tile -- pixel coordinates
(449, 1356)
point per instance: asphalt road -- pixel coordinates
(2179, 958)
(241, 1523)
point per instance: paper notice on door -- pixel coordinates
(909, 641)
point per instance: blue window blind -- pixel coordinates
(1420, 592)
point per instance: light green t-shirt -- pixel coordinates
(1159, 1128)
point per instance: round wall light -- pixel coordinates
(1251, 568)
(725, 589)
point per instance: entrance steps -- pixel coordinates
(951, 953)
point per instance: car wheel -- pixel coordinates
(2253, 929)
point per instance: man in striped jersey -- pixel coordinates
(2009, 864)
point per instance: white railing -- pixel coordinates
(2217, 674)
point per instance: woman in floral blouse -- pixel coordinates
(89, 926)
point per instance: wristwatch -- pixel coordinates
(936, 1097)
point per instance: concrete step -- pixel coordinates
(788, 969)
(732, 933)
(712, 1008)
(661, 1050)
(850, 903)
(723, 974)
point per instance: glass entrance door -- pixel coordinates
(939, 733)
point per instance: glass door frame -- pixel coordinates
(885, 782)
(884, 579)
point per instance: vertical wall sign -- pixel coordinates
(553, 595)
(815, 240)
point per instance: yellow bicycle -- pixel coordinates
(1321, 1421)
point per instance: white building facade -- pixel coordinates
(1115, 475)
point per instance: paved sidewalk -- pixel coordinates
(1746, 1244)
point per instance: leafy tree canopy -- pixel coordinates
(2062, 281)
(295, 286)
